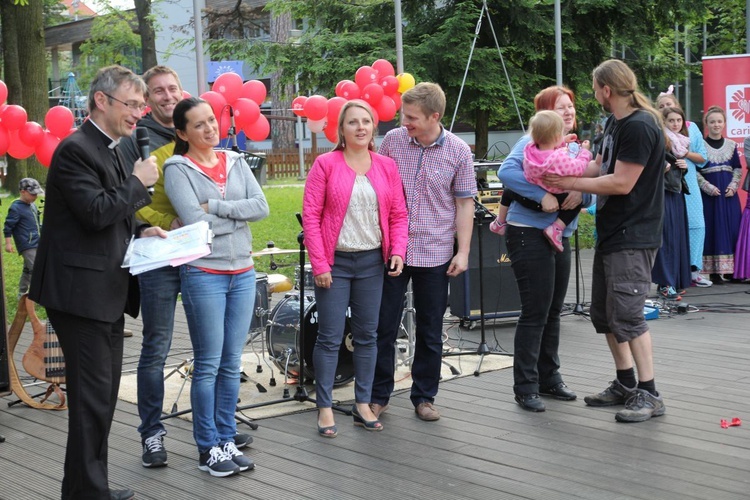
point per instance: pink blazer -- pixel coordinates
(328, 190)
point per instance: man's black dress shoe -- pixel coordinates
(558, 391)
(121, 494)
(531, 402)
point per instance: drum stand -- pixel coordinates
(300, 394)
(480, 214)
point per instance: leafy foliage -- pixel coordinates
(112, 42)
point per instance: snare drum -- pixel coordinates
(282, 339)
(307, 276)
(260, 309)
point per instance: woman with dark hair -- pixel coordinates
(218, 290)
(541, 272)
(354, 217)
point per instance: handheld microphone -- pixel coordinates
(233, 131)
(141, 137)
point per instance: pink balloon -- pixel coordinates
(216, 100)
(31, 134)
(350, 90)
(46, 148)
(246, 112)
(17, 148)
(59, 120)
(298, 105)
(365, 76)
(317, 126)
(373, 93)
(229, 85)
(383, 68)
(254, 90)
(14, 116)
(186, 94)
(316, 107)
(389, 84)
(386, 109)
(3, 92)
(4, 140)
(259, 130)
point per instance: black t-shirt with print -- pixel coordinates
(633, 220)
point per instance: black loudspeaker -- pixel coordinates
(501, 298)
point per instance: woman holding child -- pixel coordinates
(541, 270)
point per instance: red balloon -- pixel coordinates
(254, 90)
(386, 109)
(389, 84)
(298, 105)
(186, 94)
(365, 76)
(59, 120)
(46, 148)
(14, 116)
(17, 148)
(316, 107)
(350, 90)
(216, 101)
(396, 100)
(3, 92)
(259, 130)
(334, 108)
(229, 85)
(373, 93)
(332, 132)
(246, 112)
(225, 121)
(339, 85)
(31, 134)
(4, 140)
(383, 69)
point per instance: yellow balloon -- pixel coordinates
(405, 82)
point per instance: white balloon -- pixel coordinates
(317, 126)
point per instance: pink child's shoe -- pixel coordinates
(497, 226)
(554, 233)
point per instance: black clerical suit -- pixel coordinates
(91, 199)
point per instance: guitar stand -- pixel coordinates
(300, 394)
(480, 213)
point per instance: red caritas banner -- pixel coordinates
(726, 83)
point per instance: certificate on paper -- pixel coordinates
(181, 246)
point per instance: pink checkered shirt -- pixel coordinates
(433, 177)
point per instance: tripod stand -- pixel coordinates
(300, 394)
(578, 306)
(481, 213)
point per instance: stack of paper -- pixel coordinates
(181, 246)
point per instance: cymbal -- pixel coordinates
(273, 251)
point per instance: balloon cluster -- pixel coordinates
(376, 84)
(244, 100)
(21, 138)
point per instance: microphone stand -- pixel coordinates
(578, 309)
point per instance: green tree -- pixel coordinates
(112, 42)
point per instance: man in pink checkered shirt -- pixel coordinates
(437, 171)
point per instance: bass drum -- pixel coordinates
(282, 339)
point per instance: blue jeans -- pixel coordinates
(430, 287)
(159, 290)
(357, 284)
(542, 277)
(219, 309)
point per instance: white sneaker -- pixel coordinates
(700, 281)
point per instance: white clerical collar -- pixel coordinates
(114, 142)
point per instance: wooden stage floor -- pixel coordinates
(483, 447)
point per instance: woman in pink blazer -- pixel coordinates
(355, 221)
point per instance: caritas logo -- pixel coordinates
(738, 111)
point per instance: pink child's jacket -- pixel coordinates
(537, 162)
(328, 190)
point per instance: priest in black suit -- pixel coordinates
(91, 200)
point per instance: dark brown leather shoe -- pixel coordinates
(425, 411)
(378, 409)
